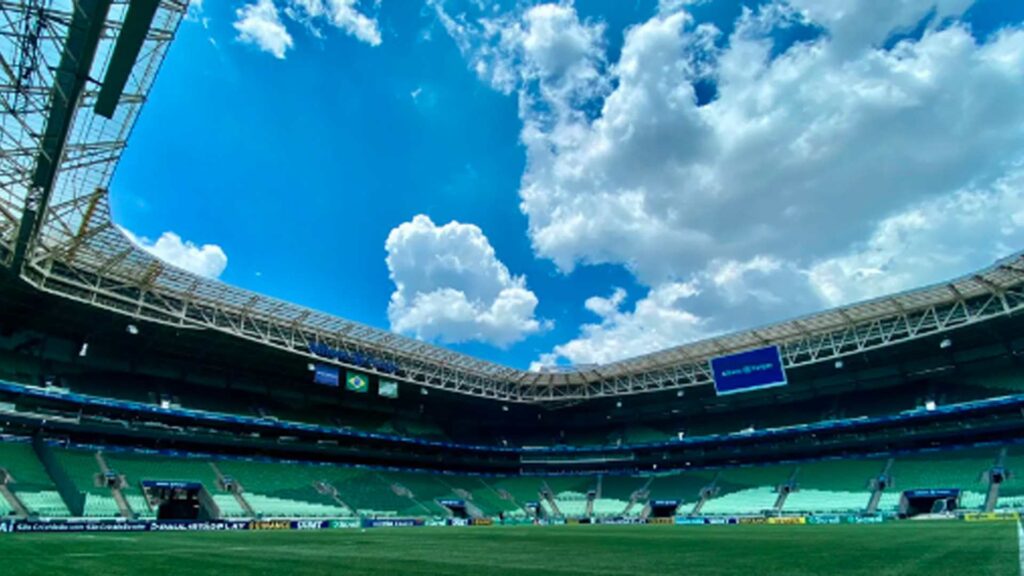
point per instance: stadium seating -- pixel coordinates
(746, 501)
(138, 503)
(614, 496)
(1011, 492)
(273, 488)
(620, 487)
(372, 495)
(521, 489)
(33, 485)
(82, 467)
(963, 469)
(291, 489)
(45, 503)
(684, 487)
(228, 505)
(833, 486)
(482, 495)
(749, 490)
(611, 507)
(425, 489)
(138, 467)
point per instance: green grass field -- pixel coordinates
(933, 549)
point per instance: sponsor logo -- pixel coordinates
(864, 519)
(345, 523)
(270, 525)
(752, 520)
(823, 520)
(991, 516)
(788, 520)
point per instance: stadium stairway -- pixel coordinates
(747, 490)
(961, 469)
(137, 467)
(569, 495)
(617, 495)
(485, 497)
(116, 487)
(283, 488)
(83, 469)
(518, 489)
(684, 487)
(372, 495)
(234, 487)
(30, 483)
(833, 486)
(424, 489)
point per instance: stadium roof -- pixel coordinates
(64, 65)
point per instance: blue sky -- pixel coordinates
(625, 175)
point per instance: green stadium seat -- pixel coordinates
(271, 487)
(482, 495)
(82, 467)
(228, 505)
(32, 484)
(45, 503)
(833, 486)
(963, 469)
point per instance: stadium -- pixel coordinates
(136, 397)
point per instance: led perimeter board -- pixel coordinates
(750, 370)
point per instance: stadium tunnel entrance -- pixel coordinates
(179, 500)
(926, 502)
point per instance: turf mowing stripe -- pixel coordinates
(1020, 547)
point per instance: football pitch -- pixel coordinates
(932, 548)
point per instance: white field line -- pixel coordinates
(1020, 547)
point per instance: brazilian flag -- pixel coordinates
(357, 382)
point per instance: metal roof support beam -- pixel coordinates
(69, 81)
(133, 34)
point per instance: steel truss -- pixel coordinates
(79, 253)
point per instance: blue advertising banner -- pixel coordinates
(932, 493)
(327, 375)
(172, 484)
(750, 370)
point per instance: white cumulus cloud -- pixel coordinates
(342, 14)
(813, 166)
(450, 286)
(755, 292)
(260, 24)
(208, 260)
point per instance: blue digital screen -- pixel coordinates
(750, 370)
(327, 375)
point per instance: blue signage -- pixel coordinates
(750, 370)
(327, 375)
(932, 493)
(172, 484)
